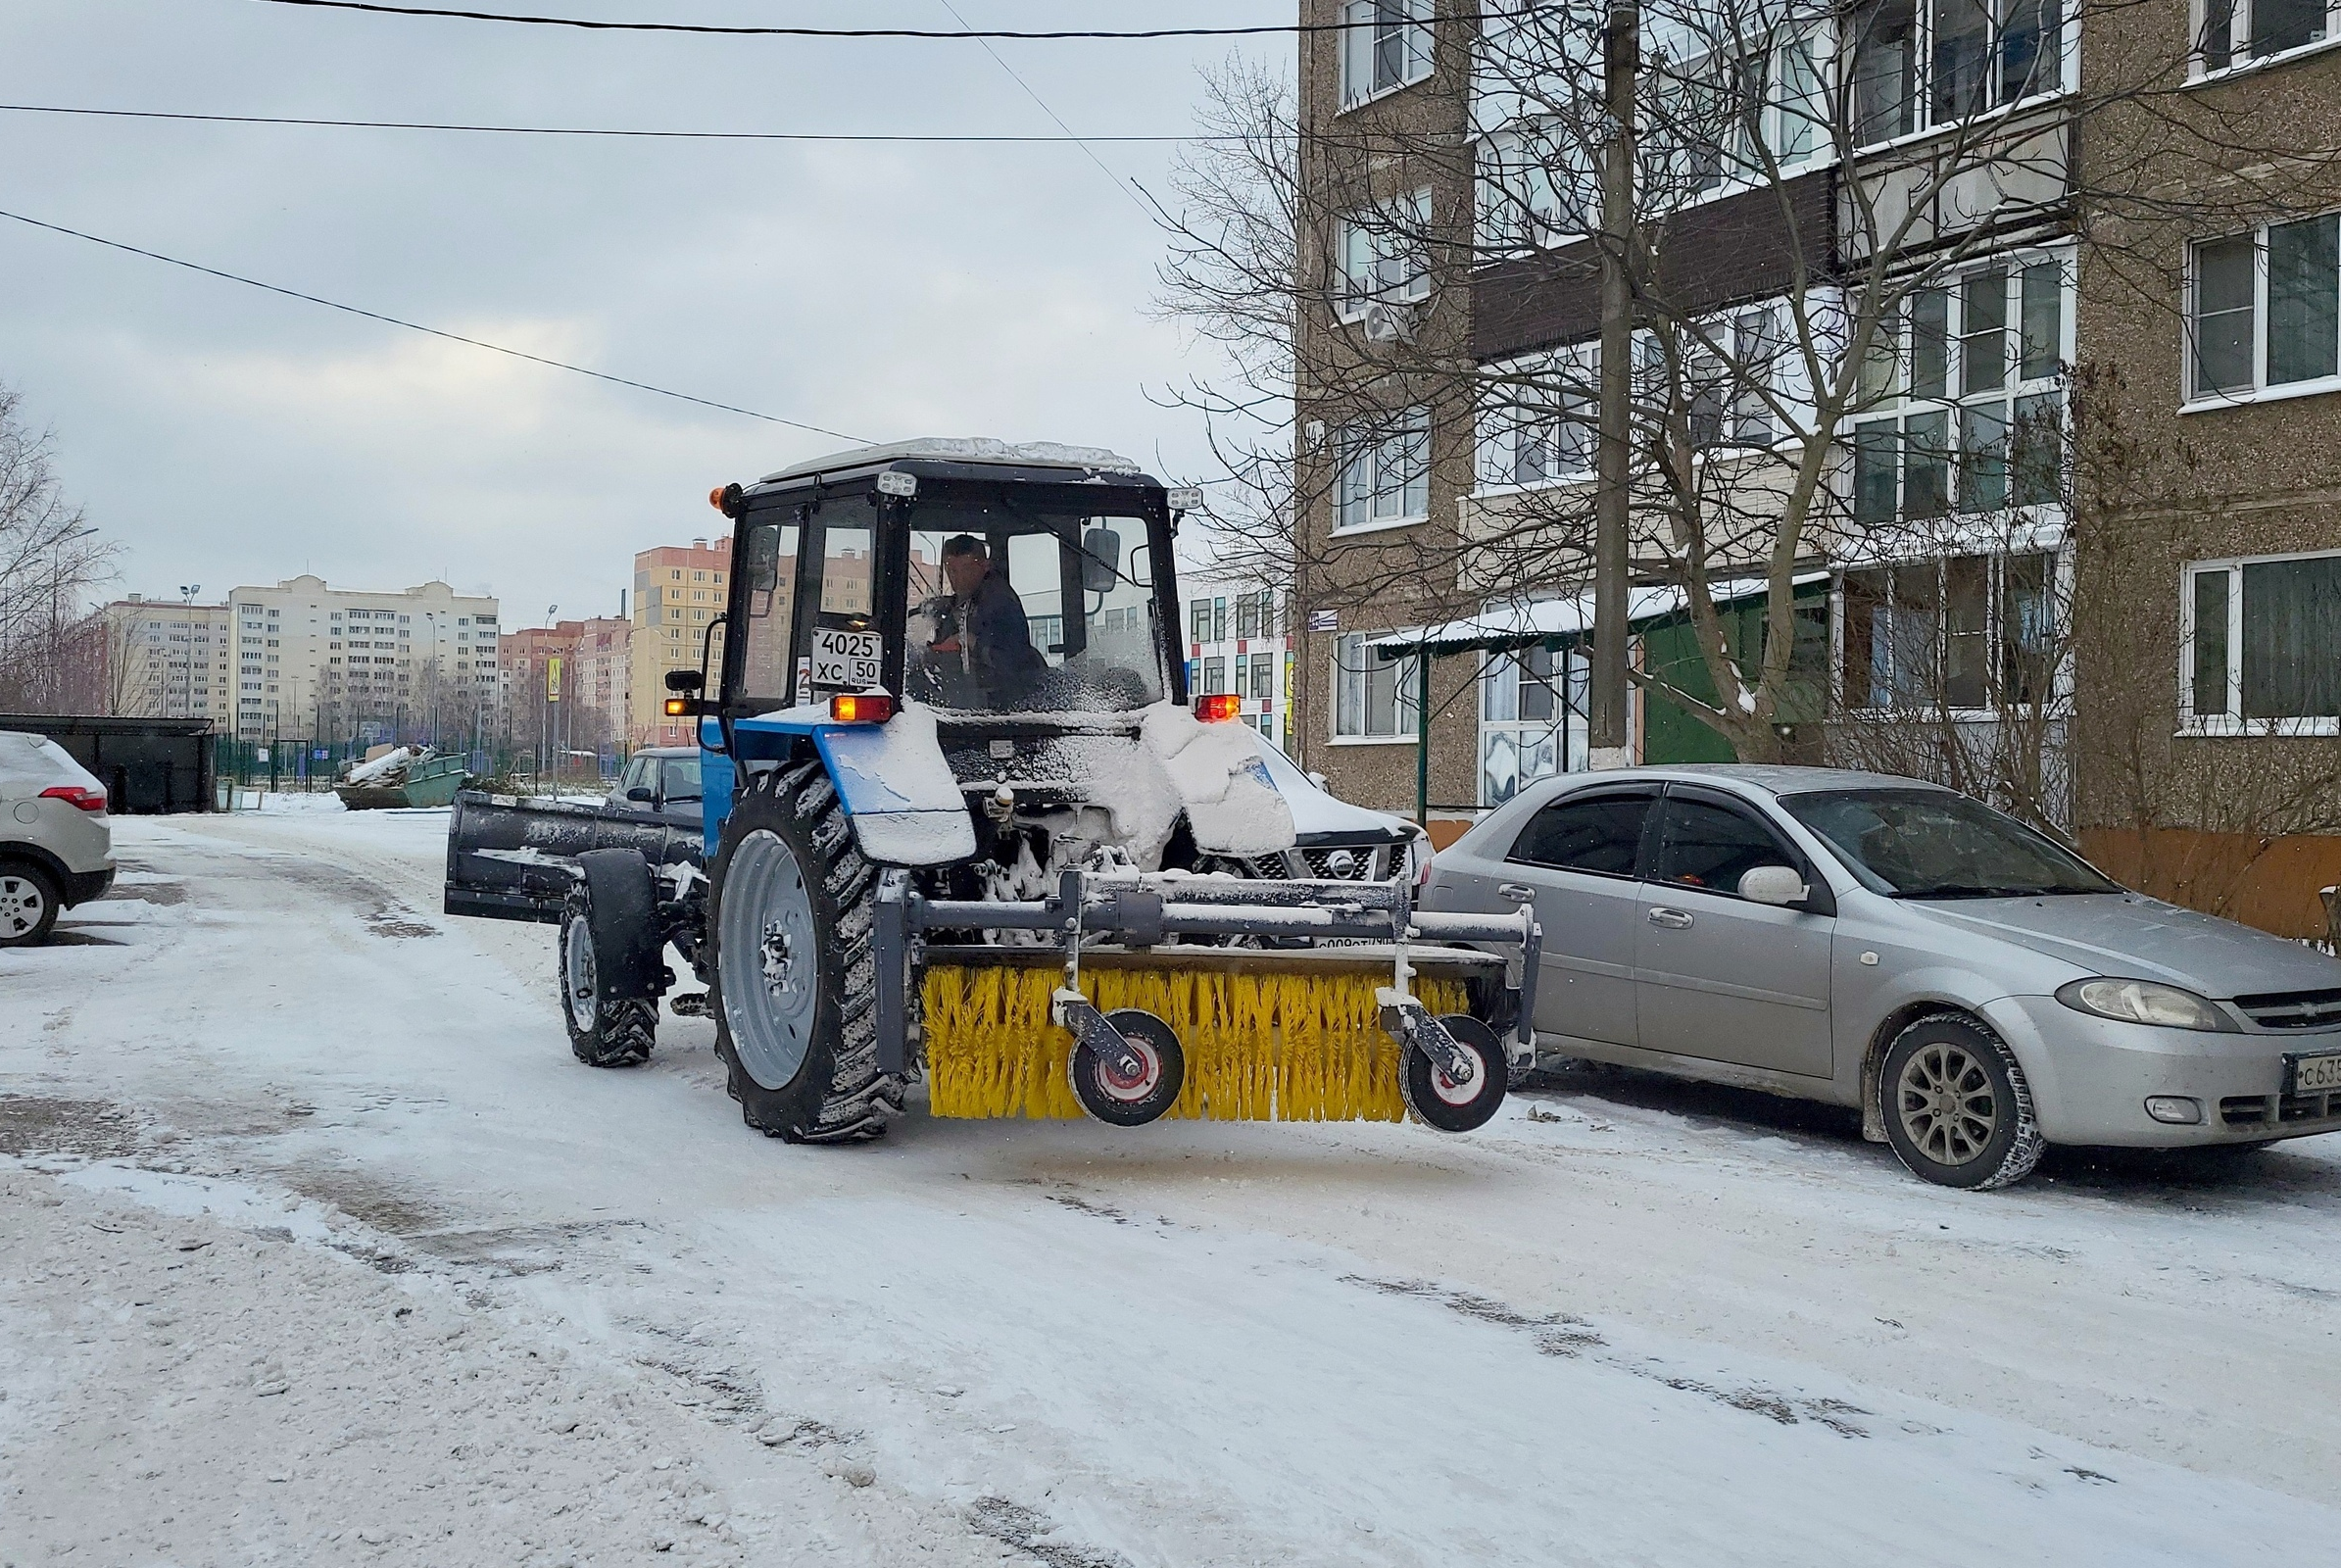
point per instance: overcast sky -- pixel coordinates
(227, 436)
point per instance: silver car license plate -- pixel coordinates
(2313, 1075)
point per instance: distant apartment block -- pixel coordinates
(319, 661)
(169, 659)
(1237, 643)
(678, 589)
(595, 656)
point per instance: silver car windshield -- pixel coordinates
(1932, 843)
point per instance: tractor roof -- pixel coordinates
(965, 450)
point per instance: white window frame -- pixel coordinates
(1738, 168)
(1896, 410)
(2193, 399)
(1517, 204)
(2239, 41)
(1924, 123)
(1530, 415)
(2233, 721)
(1360, 44)
(1376, 450)
(1383, 259)
(1350, 652)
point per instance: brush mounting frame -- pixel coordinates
(1141, 909)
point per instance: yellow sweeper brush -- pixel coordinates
(1260, 1043)
(1328, 1000)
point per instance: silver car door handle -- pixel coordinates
(1672, 919)
(1517, 892)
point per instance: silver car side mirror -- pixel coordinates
(1775, 885)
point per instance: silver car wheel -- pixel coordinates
(578, 973)
(771, 959)
(23, 905)
(1946, 1104)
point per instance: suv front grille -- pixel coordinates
(2293, 1009)
(1365, 863)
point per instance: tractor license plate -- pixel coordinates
(2313, 1075)
(845, 659)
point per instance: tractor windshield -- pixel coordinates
(1018, 608)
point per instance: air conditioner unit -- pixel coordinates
(1388, 324)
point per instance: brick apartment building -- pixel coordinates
(2090, 481)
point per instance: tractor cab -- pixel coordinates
(1011, 589)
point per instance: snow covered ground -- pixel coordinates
(317, 1247)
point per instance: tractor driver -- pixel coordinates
(983, 625)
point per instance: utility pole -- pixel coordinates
(1621, 44)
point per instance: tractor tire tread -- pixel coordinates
(858, 1098)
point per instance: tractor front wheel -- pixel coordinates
(792, 916)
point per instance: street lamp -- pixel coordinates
(185, 685)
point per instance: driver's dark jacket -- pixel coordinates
(1000, 656)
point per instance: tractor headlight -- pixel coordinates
(2143, 1002)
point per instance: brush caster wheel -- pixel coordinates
(1439, 1101)
(1132, 1100)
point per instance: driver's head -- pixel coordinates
(964, 563)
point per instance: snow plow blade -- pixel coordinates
(1315, 1024)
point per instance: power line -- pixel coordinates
(822, 32)
(431, 331)
(579, 131)
(1045, 109)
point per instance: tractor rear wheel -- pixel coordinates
(790, 922)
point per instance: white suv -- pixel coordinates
(56, 845)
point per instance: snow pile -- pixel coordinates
(1232, 807)
(965, 449)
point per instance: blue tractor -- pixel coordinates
(960, 819)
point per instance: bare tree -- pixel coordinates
(50, 561)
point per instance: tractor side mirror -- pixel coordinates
(685, 680)
(1100, 560)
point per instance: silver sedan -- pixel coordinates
(1975, 989)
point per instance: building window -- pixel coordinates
(1532, 718)
(1962, 633)
(1385, 255)
(1385, 45)
(1975, 371)
(1722, 114)
(2263, 645)
(1263, 675)
(2264, 310)
(1385, 476)
(1920, 64)
(2233, 32)
(1534, 187)
(1373, 692)
(1215, 674)
(1248, 615)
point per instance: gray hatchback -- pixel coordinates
(1977, 990)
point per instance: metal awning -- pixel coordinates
(1523, 623)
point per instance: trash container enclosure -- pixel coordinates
(148, 765)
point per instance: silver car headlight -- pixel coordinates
(2143, 1002)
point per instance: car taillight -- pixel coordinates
(76, 795)
(1218, 709)
(861, 707)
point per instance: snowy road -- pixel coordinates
(316, 1245)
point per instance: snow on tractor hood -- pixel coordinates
(1240, 796)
